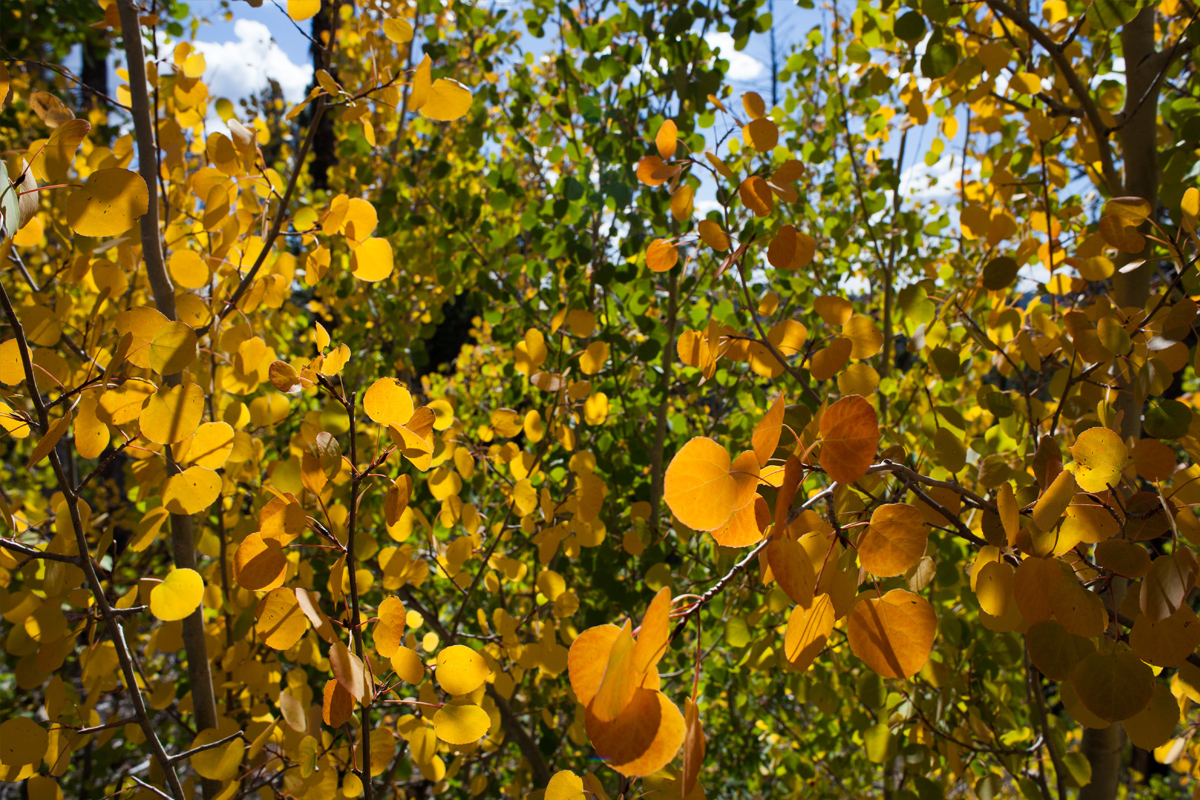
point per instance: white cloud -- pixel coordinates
(741, 66)
(241, 68)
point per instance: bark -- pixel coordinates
(94, 72)
(324, 148)
(1139, 150)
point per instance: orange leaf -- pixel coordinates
(807, 631)
(756, 196)
(661, 255)
(666, 139)
(619, 681)
(643, 739)
(693, 747)
(703, 488)
(745, 526)
(894, 541)
(850, 433)
(893, 634)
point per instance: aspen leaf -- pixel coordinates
(756, 196)
(592, 359)
(140, 324)
(280, 620)
(753, 103)
(1034, 586)
(389, 630)
(1154, 725)
(372, 260)
(587, 660)
(661, 255)
(766, 434)
(994, 588)
(22, 741)
(1113, 686)
(408, 665)
(460, 670)
(55, 432)
(448, 100)
(894, 541)
(808, 629)
(565, 785)
(746, 526)
(681, 202)
(893, 634)
(300, 10)
(1167, 642)
(666, 139)
(653, 172)
(828, 361)
(703, 487)
(172, 348)
(337, 706)
(713, 236)
(761, 134)
(836, 311)
(865, 338)
(59, 151)
(1123, 557)
(398, 30)
(1053, 503)
(388, 402)
(693, 747)
(461, 723)
(109, 203)
(850, 433)
(792, 568)
(620, 679)
(1054, 650)
(191, 491)
(91, 435)
(172, 413)
(350, 672)
(397, 499)
(1100, 456)
(651, 644)
(1010, 514)
(177, 596)
(643, 739)
(211, 445)
(259, 564)
(1166, 586)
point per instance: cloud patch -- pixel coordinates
(243, 67)
(741, 66)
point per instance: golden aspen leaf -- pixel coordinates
(42, 787)
(309, 605)
(766, 434)
(12, 372)
(421, 84)
(448, 100)
(1153, 460)
(1035, 585)
(694, 745)
(1085, 520)
(211, 445)
(461, 723)
(1010, 514)
(280, 622)
(565, 785)
(666, 139)
(172, 413)
(177, 596)
(350, 672)
(191, 491)
(620, 678)
(702, 487)
(756, 196)
(893, 634)
(762, 134)
(1168, 583)
(829, 361)
(259, 564)
(91, 435)
(681, 202)
(1100, 456)
(389, 630)
(398, 30)
(653, 172)
(894, 541)
(1167, 642)
(293, 712)
(652, 640)
(60, 149)
(1123, 557)
(172, 348)
(746, 526)
(836, 311)
(643, 739)
(754, 105)
(865, 338)
(593, 358)
(360, 221)
(397, 499)
(661, 255)
(587, 660)
(141, 324)
(782, 249)
(55, 432)
(388, 402)
(337, 706)
(994, 588)
(1113, 686)
(460, 670)
(1026, 82)
(808, 629)
(861, 379)
(792, 569)
(5, 83)
(300, 10)
(372, 260)
(1053, 503)
(850, 435)
(108, 204)
(407, 665)
(1054, 650)
(713, 236)
(188, 269)
(22, 741)
(1155, 724)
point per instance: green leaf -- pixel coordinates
(1170, 419)
(1000, 273)
(910, 27)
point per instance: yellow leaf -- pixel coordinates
(300, 10)
(91, 435)
(387, 402)
(397, 30)
(666, 139)
(850, 433)
(893, 634)
(408, 665)
(191, 491)
(172, 348)
(761, 134)
(713, 236)
(177, 596)
(47, 443)
(211, 445)
(109, 203)
(460, 670)
(421, 85)
(22, 741)
(592, 359)
(389, 630)
(565, 785)
(188, 269)
(448, 100)
(172, 413)
(703, 487)
(754, 105)
(1100, 456)
(661, 255)
(279, 619)
(460, 724)
(372, 260)
(894, 541)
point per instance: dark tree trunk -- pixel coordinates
(324, 147)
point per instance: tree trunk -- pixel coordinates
(1139, 151)
(324, 148)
